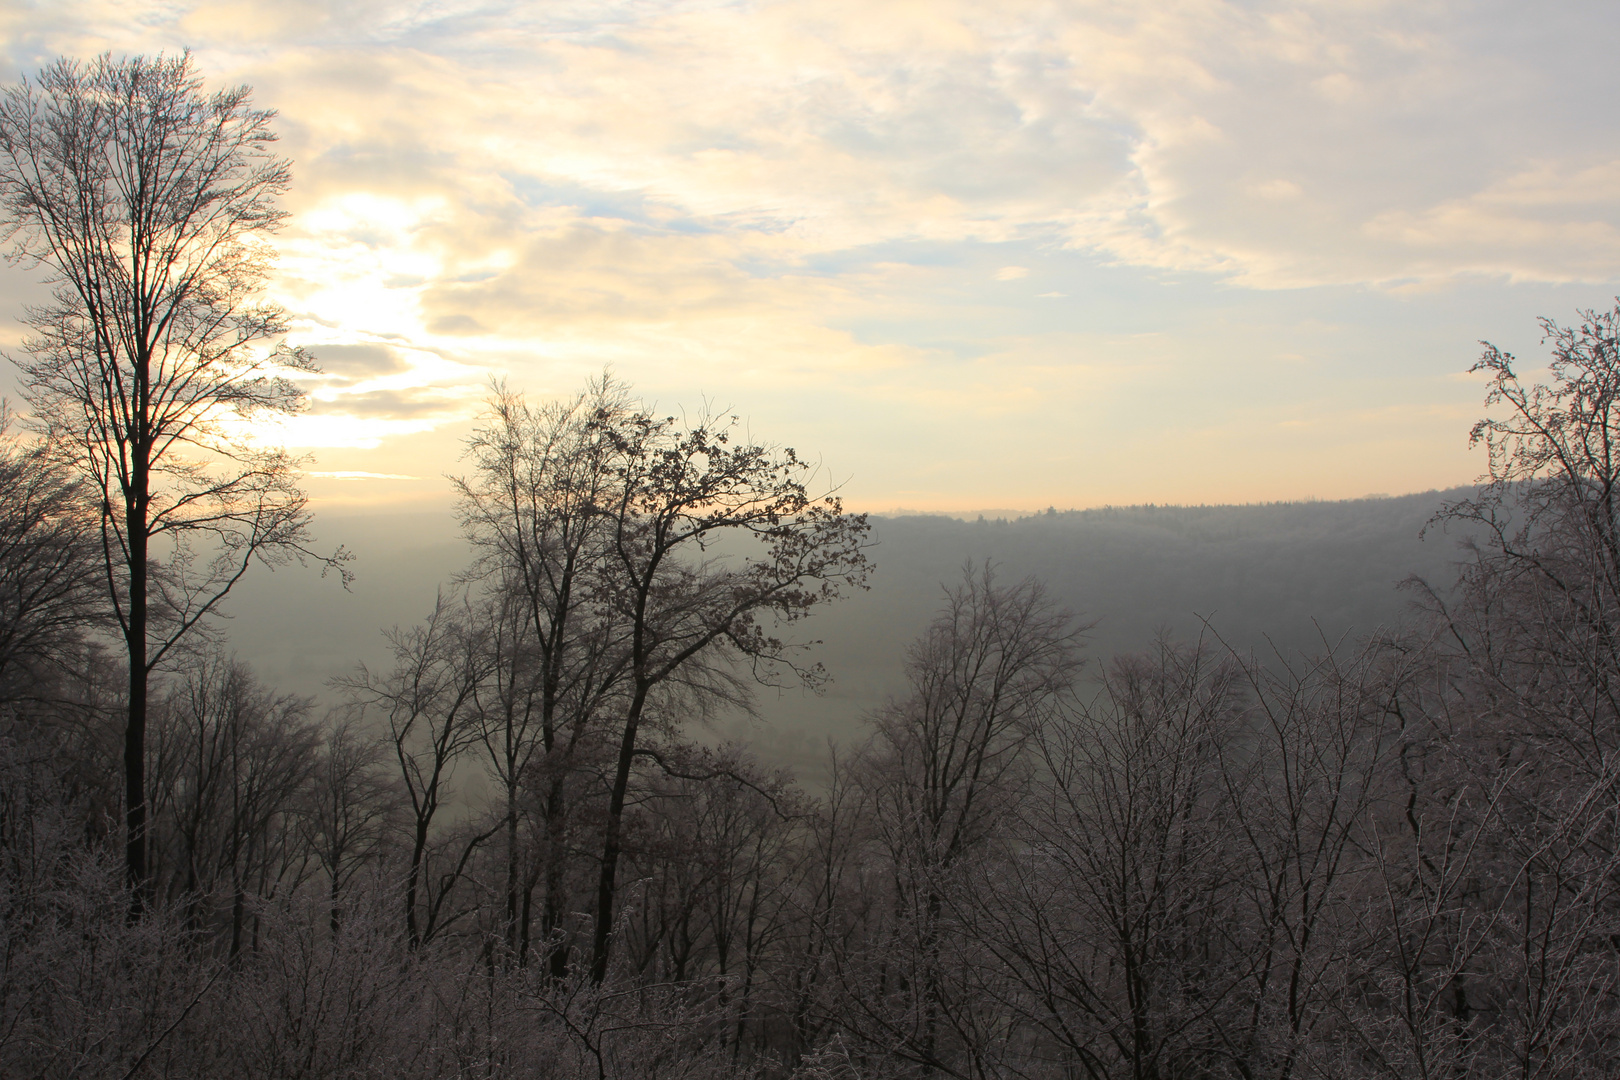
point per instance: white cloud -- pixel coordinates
(770, 194)
(1279, 145)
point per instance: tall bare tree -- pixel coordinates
(943, 772)
(146, 201)
(231, 764)
(716, 541)
(1116, 914)
(652, 557)
(1546, 521)
(536, 509)
(353, 806)
(1504, 865)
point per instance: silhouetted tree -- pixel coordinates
(538, 510)
(1547, 562)
(714, 541)
(231, 762)
(146, 202)
(1304, 784)
(429, 703)
(1117, 913)
(352, 805)
(1500, 876)
(945, 768)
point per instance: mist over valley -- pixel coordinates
(1289, 578)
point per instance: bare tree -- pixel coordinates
(231, 762)
(1503, 864)
(1116, 915)
(429, 701)
(716, 857)
(352, 806)
(715, 542)
(48, 573)
(945, 765)
(994, 666)
(837, 898)
(1302, 784)
(1547, 556)
(537, 511)
(147, 201)
(507, 706)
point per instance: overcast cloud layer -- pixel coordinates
(971, 255)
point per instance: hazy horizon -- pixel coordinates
(1295, 577)
(444, 503)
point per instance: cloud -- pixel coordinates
(356, 474)
(409, 403)
(1275, 145)
(359, 361)
(1551, 221)
(817, 198)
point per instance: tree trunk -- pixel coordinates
(526, 914)
(551, 915)
(335, 915)
(513, 885)
(135, 785)
(418, 848)
(135, 729)
(611, 842)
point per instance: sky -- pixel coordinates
(966, 255)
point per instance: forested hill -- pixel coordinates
(1275, 574)
(1258, 571)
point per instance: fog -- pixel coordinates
(1275, 579)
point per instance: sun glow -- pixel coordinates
(337, 431)
(357, 262)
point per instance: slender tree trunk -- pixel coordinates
(551, 915)
(930, 980)
(335, 861)
(135, 785)
(418, 847)
(135, 729)
(526, 913)
(238, 916)
(611, 842)
(335, 916)
(513, 886)
(750, 957)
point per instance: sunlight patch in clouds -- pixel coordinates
(309, 431)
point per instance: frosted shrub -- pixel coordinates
(83, 991)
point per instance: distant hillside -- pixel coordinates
(1257, 571)
(1290, 572)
